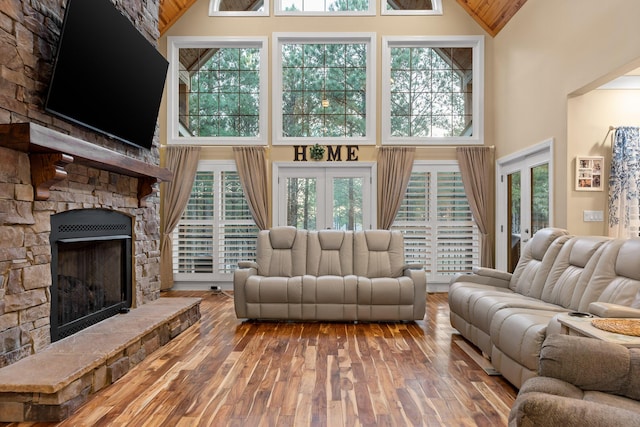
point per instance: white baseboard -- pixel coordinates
(206, 286)
(437, 287)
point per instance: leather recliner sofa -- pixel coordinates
(329, 275)
(508, 316)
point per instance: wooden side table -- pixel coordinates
(582, 326)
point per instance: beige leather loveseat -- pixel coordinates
(329, 275)
(508, 315)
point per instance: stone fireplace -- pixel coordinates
(50, 167)
(43, 174)
(76, 218)
(90, 268)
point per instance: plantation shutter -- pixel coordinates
(216, 229)
(436, 220)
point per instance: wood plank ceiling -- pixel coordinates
(491, 15)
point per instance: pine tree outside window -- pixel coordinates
(432, 89)
(323, 89)
(217, 91)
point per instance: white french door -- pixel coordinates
(524, 200)
(315, 197)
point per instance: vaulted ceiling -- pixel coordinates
(492, 15)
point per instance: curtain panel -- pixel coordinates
(394, 171)
(252, 170)
(183, 162)
(624, 179)
(477, 167)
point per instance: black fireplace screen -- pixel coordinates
(91, 268)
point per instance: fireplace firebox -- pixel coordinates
(91, 257)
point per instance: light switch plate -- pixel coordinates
(593, 216)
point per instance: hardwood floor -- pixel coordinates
(226, 372)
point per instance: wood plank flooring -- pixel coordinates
(226, 372)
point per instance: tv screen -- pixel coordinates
(106, 76)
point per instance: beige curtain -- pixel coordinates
(477, 170)
(252, 169)
(394, 172)
(183, 162)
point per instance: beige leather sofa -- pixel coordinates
(329, 275)
(508, 316)
(583, 382)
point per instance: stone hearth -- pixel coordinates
(51, 385)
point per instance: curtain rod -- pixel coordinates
(607, 135)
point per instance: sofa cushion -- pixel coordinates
(273, 297)
(536, 261)
(329, 297)
(518, 333)
(592, 364)
(386, 298)
(282, 251)
(330, 252)
(615, 277)
(571, 269)
(378, 253)
(329, 289)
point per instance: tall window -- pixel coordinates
(323, 89)
(216, 229)
(432, 89)
(217, 91)
(437, 222)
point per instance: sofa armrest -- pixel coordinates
(546, 409)
(240, 276)
(493, 273)
(419, 278)
(248, 264)
(605, 309)
(412, 267)
(485, 276)
(591, 364)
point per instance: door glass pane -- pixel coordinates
(347, 204)
(539, 198)
(513, 181)
(302, 203)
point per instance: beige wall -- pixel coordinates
(537, 72)
(589, 118)
(551, 50)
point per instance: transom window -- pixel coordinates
(238, 7)
(323, 88)
(432, 89)
(414, 7)
(325, 7)
(217, 91)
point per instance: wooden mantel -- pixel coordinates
(50, 151)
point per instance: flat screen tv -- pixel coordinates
(106, 75)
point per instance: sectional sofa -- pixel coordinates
(329, 275)
(508, 316)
